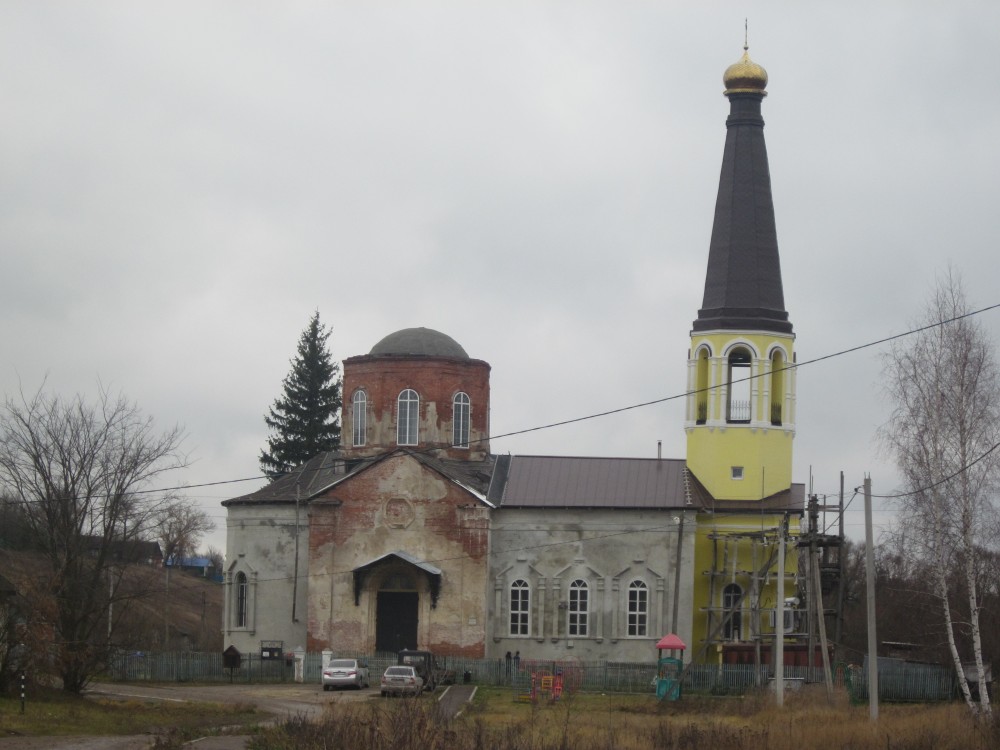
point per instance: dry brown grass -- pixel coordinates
(53, 712)
(606, 722)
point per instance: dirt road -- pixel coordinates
(279, 700)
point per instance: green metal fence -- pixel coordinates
(897, 681)
(903, 682)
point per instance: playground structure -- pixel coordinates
(669, 670)
(534, 681)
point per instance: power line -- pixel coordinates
(938, 483)
(653, 402)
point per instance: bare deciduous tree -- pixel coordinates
(943, 431)
(179, 527)
(76, 469)
(217, 558)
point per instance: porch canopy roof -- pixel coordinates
(433, 574)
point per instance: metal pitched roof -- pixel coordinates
(580, 482)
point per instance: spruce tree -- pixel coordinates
(305, 419)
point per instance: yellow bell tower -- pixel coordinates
(740, 419)
(741, 406)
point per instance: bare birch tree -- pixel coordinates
(76, 470)
(943, 432)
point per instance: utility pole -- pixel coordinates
(779, 621)
(166, 608)
(841, 567)
(677, 573)
(812, 594)
(295, 577)
(821, 621)
(870, 581)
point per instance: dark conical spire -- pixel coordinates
(743, 284)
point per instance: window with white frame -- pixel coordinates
(406, 417)
(359, 408)
(460, 420)
(579, 608)
(638, 608)
(242, 595)
(520, 607)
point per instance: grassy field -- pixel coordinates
(56, 713)
(616, 722)
(494, 721)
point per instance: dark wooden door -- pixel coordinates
(396, 621)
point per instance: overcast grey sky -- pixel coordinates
(184, 183)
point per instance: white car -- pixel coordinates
(345, 673)
(401, 680)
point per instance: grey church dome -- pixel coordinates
(419, 342)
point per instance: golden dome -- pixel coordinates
(745, 76)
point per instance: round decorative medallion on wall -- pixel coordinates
(398, 513)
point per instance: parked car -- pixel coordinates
(346, 673)
(401, 680)
(427, 666)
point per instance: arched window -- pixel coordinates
(460, 429)
(739, 386)
(777, 386)
(732, 596)
(579, 607)
(406, 419)
(638, 608)
(520, 606)
(701, 387)
(242, 591)
(359, 410)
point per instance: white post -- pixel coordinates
(300, 662)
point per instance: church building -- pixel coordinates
(414, 535)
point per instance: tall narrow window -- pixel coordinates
(701, 387)
(732, 595)
(520, 606)
(579, 607)
(242, 591)
(777, 386)
(638, 607)
(460, 431)
(739, 386)
(359, 409)
(406, 419)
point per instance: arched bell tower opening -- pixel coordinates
(777, 387)
(701, 385)
(739, 400)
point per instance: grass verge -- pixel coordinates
(617, 722)
(56, 713)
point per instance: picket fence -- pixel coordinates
(919, 683)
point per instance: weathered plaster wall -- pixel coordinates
(398, 504)
(261, 542)
(606, 548)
